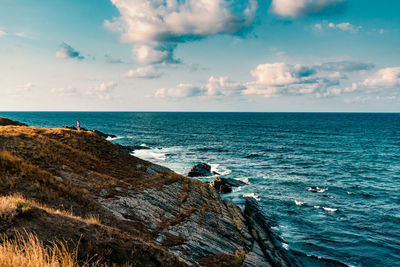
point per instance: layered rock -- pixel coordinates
(264, 239)
(224, 185)
(200, 170)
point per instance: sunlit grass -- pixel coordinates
(26, 250)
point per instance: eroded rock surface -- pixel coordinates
(224, 185)
(264, 239)
(200, 170)
(190, 220)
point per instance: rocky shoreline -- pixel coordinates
(147, 214)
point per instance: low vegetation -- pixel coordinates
(26, 250)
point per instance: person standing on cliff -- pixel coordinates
(78, 124)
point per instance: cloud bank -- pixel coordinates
(383, 78)
(304, 8)
(66, 51)
(214, 87)
(155, 27)
(283, 79)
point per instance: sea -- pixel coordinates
(329, 183)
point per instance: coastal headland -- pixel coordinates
(108, 207)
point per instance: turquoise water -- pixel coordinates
(353, 159)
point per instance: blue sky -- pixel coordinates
(200, 55)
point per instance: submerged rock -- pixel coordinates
(200, 170)
(224, 185)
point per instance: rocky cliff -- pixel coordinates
(120, 209)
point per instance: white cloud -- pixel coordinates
(2, 32)
(147, 72)
(154, 27)
(181, 90)
(303, 8)
(285, 79)
(329, 79)
(344, 26)
(65, 91)
(383, 78)
(103, 91)
(66, 51)
(214, 87)
(221, 86)
(147, 54)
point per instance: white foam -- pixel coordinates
(217, 169)
(317, 189)
(150, 154)
(109, 138)
(251, 195)
(237, 189)
(285, 246)
(325, 208)
(329, 209)
(245, 180)
(299, 203)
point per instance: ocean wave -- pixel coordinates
(152, 154)
(325, 208)
(109, 138)
(299, 203)
(216, 168)
(317, 189)
(237, 189)
(285, 246)
(251, 195)
(251, 156)
(245, 180)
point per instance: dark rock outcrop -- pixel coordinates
(105, 135)
(224, 185)
(261, 232)
(132, 148)
(200, 170)
(7, 122)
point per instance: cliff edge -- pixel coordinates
(117, 209)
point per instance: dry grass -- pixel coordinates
(26, 250)
(184, 195)
(10, 206)
(13, 205)
(223, 260)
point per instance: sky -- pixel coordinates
(200, 55)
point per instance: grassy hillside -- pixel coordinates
(73, 196)
(49, 181)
